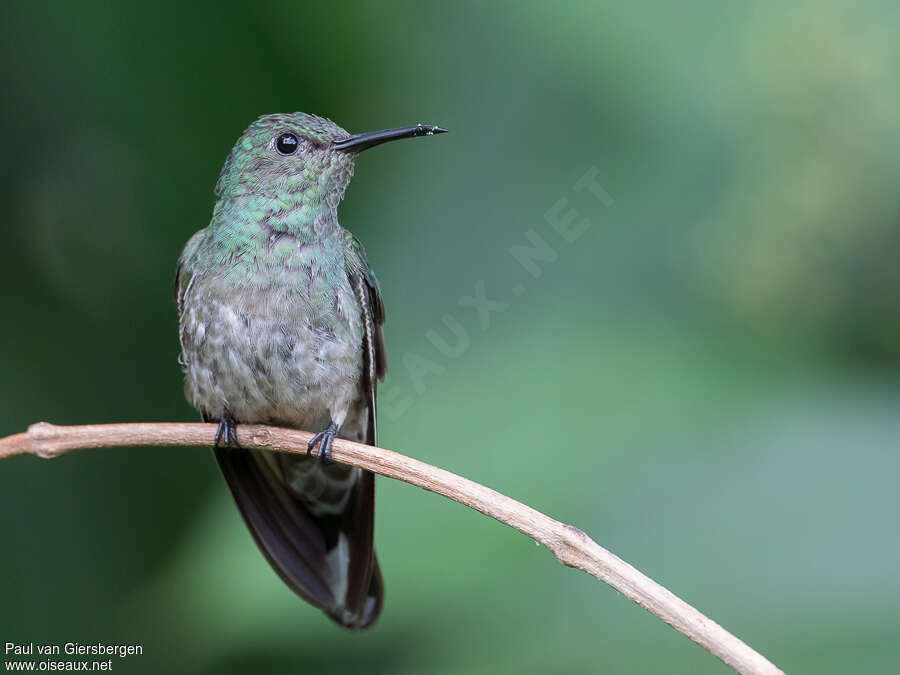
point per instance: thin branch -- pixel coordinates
(571, 546)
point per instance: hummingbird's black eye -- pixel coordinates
(287, 144)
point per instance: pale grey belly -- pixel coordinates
(268, 362)
(264, 361)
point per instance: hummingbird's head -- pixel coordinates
(299, 153)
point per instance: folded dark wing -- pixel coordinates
(327, 560)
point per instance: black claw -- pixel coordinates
(323, 439)
(325, 450)
(227, 432)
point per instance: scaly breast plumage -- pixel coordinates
(268, 355)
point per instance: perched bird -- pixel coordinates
(280, 321)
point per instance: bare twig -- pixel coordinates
(570, 545)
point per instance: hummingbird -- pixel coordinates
(280, 322)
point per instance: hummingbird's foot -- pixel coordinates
(227, 432)
(323, 439)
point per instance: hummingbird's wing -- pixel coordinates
(364, 581)
(328, 560)
(368, 293)
(183, 276)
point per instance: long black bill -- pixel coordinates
(369, 139)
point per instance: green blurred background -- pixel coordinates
(707, 381)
